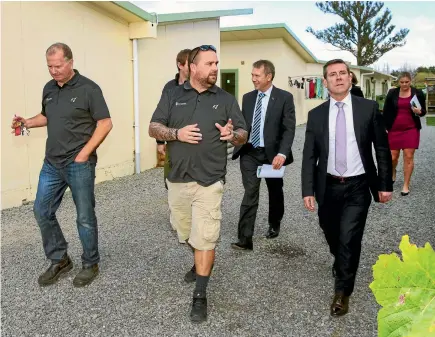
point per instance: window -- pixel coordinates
(368, 89)
(385, 87)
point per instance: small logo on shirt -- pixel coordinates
(48, 99)
(180, 103)
(73, 99)
(215, 106)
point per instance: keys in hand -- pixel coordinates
(19, 125)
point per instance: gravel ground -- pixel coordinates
(282, 288)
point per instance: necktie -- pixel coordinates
(340, 140)
(255, 140)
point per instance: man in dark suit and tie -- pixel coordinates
(338, 171)
(270, 115)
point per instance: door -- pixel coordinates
(229, 81)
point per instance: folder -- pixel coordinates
(267, 171)
(415, 103)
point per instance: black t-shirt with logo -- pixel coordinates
(72, 112)
(205, 162)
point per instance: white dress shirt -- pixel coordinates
(264, 104)
(354, 163)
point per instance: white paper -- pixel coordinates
(267, 171)
(416, 102)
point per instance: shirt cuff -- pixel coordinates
(282, 155)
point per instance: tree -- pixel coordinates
(406, 67)
(364, 34)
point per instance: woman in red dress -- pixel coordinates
(402, 121)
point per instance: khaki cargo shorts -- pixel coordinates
(196, 212)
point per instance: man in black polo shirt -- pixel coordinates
(77, 120)
(181, 76)
(196, 120)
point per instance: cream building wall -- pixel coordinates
(102, 52)
(157, 66)
(286, 61)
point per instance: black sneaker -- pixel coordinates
(198, 313)
(52, 274)
(190, 275)
(86, 276)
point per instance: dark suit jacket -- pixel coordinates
(369, 129)
(356, 90)
(390, 107)
(279, 124)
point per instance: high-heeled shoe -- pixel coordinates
(404, 194)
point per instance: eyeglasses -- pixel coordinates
(204, 47)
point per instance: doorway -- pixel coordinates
(230, 81)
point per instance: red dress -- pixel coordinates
(404, 134)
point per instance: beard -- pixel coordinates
(208, 81)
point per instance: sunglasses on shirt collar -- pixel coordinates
(204, 47)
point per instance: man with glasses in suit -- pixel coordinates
(197, 119)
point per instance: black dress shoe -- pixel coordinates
(198, 313)
(52, 274)
(242, 245)
(340, 304)
(272, 233)
(86, 276)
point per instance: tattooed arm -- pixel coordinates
(158, 126)
(162, 132)
(240, 137)
(188, 134)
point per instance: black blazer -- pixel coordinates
(356, 90)
(369, 129)
(279, 124)
(390, 107)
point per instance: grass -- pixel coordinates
(430, 120)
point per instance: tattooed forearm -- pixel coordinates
(161, 132)
(240, 137)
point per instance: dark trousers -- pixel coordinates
(249, 163)
(342, 217)
(53, 182)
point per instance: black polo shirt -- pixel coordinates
(169, 86)
(72, 113)
(172, 83)
(205, 162)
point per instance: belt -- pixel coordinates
(343, 180)
(258, 148)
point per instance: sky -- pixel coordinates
(417, 16)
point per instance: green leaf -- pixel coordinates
(406, 291)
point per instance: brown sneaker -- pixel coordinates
(52, 274)
(86, 276)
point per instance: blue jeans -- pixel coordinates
(80, 178)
